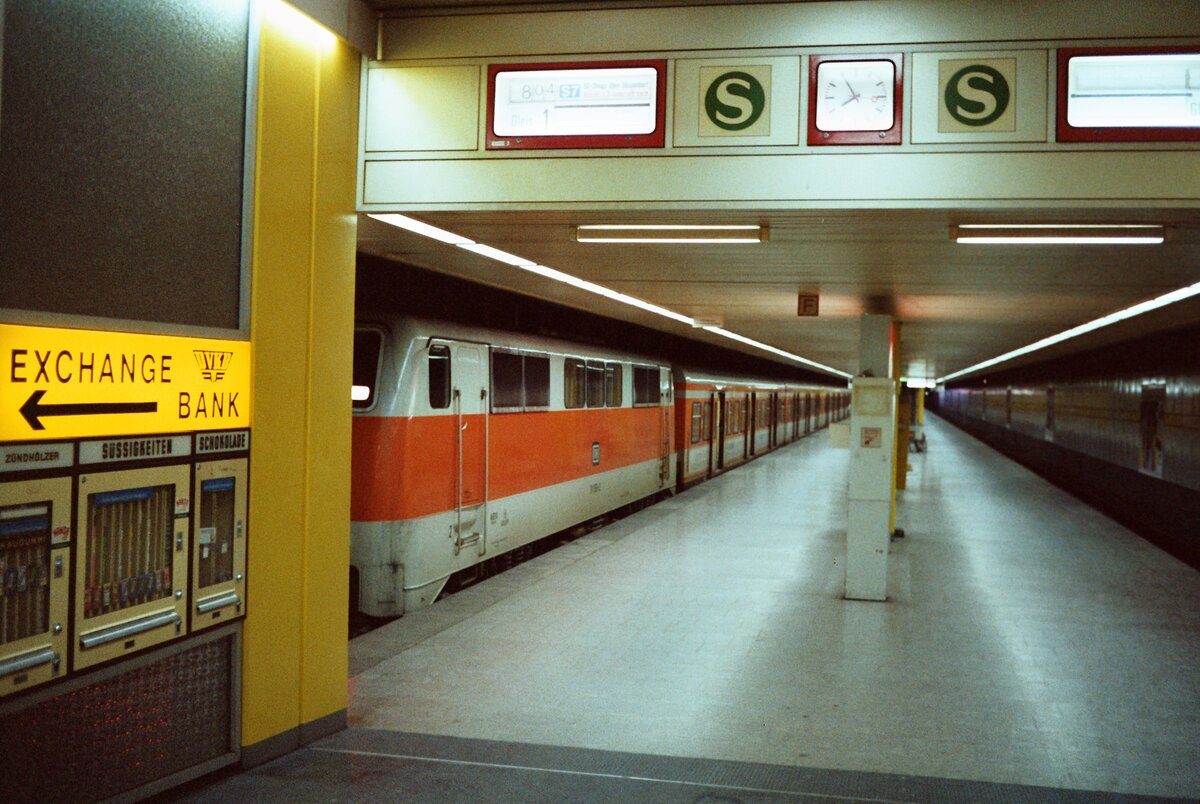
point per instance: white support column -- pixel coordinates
(872, 464)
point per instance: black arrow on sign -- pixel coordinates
(33, 410)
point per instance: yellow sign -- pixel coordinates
(69, 383)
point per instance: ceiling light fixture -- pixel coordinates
(775, 351)
(1112, 318)
(670, 233)
(498, 255)
(418, 227)
(1059, 234)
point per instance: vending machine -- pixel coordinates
(220, 495)
(132, 524)
(35, 565)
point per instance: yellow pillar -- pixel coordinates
(301, 326)
(901, 447)
(920, 407)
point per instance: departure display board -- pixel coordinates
(577, 105)
(1128, 94)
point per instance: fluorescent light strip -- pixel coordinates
(670, 233)
(498, 255)
(418, 227)
(1059, 241)
(1058, 234)
(773, 350)
(608, 293)
(669, 227)
(1111, 318)
(685, 241)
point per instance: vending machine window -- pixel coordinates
(219, 551)
(34, 571)
(25, 570)
(129, 587)
(128, 548)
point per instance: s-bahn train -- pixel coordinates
(471, 443)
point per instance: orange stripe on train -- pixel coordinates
(403, 468)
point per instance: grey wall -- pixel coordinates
(122, 129)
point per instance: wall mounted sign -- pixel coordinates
(855, 99)
(66, 383)
(577, 105)
(1128, 94)
(734, 101)
(739, 102)
(977, 94)
(979, 97)
(872, 437)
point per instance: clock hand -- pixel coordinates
(853, 95)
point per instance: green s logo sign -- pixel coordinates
(735, 101)
(977, 95)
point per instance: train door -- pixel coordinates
(469, 370)
(752, 429)
(718, 435)
(778, 422)
(1154, 403)
(665, 407)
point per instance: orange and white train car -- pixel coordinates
(721, 422)
(468, 443)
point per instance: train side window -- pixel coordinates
(537, 381)
(595, 384)
(645, 385)
(439, 376)
(368, 348)
(519, 381)
(613, 374)
(574, 382)
(706, 425)
(506, 380)
(697, 422)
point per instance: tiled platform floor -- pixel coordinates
(1028, 641)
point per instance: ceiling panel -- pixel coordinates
(958, 304)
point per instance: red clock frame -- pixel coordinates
(1069, 133)
(655, 139)
(891, 136)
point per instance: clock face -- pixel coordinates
(856, 95)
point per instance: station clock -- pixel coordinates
(855, 99)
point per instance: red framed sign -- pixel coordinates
(604, 104)
(1129, 94)
(855, 99)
